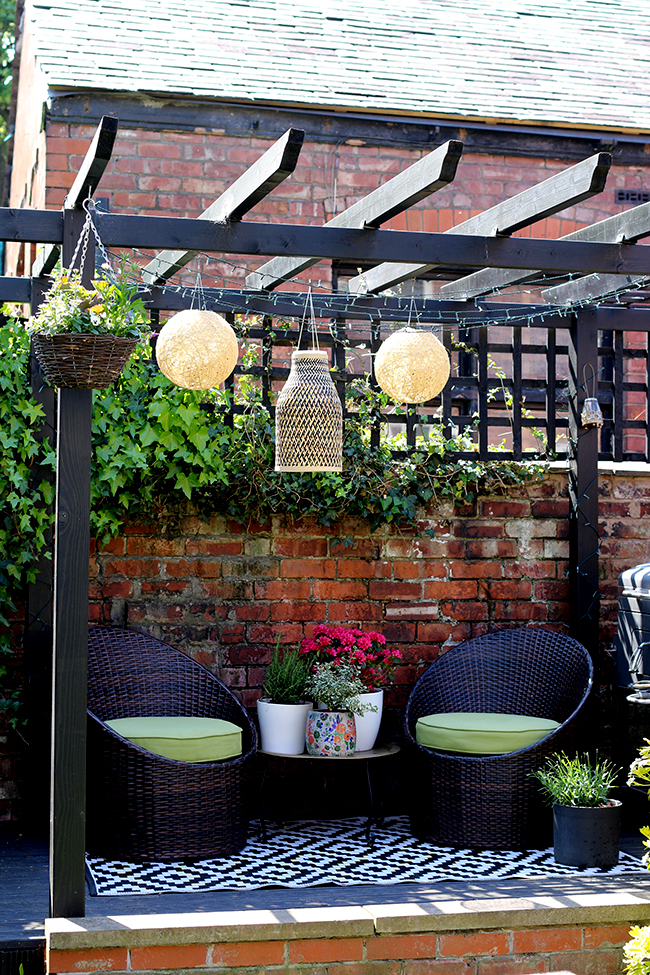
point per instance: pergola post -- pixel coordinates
(584, 595)
(70, 645)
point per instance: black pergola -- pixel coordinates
(482, 256)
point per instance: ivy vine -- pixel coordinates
(161, 453)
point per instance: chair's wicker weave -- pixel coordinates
(491, 801)
(142, 806)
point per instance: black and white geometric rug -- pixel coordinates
(311, 854)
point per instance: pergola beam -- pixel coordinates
(297, 240)
(565, 189)
(86, 182)
(629, 226)
(264, 175)
(434, 171)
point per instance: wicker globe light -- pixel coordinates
(197, 349)
(309, 417)
(412, 366)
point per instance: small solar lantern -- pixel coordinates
(412, 366)
(309, 417)
(197, 349)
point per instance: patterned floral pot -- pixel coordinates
(332, 734)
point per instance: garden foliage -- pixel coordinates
(161, 453)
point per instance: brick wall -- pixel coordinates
(225, 594)
(582, 949)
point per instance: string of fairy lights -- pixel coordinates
(424, 311)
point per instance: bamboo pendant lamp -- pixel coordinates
(197, 349)
(308, 417)
(412, 366)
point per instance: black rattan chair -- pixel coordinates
(491, 802)
(142, 806)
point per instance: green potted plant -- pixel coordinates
(282, 711)
(82, 337)
(331, 729)
(586, 822)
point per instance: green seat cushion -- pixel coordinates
(187, 739)
(476, 733)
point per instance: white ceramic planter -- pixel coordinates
(368, 723)
(283, 726)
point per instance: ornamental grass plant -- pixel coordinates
(286, 677)
(567, 781)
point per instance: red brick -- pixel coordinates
(283, 590)
(339, 590)
(207, 570)
(362, 569)
(453, 589)
(354, 612)
(168, 956)
(367, 968)
(325, 950)
(491, 548)
(476, 570)
(465, 611)
(520, 611)
(477, 529)
(505, 509)
(509, 590)
(511, 966)
(308, 568)
(440, 967)
(132, 567)
(402, 946)
(289, 611)
(441, 632)
(297, 547)
(601, 962)
(609, 935)
(269, 634)
(394, 590)
(204, 546)
(88, 960)
(547, 939)
(552, 590)
(490, 943)
(247, 954)
(551, 509)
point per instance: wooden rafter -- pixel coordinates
(433, 172)
(565, 189)
(628, 227)
(264, 175)
(86, 182)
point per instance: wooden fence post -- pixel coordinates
(70, 650)
(584, 595)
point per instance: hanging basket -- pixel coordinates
(309, 417)
(82, 361)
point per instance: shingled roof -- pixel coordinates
(570, 62)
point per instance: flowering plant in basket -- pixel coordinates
(109, 306)
(367, 652)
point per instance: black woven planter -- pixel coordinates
(587, 836)
(82, 361)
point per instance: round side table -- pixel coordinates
(270, 760)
